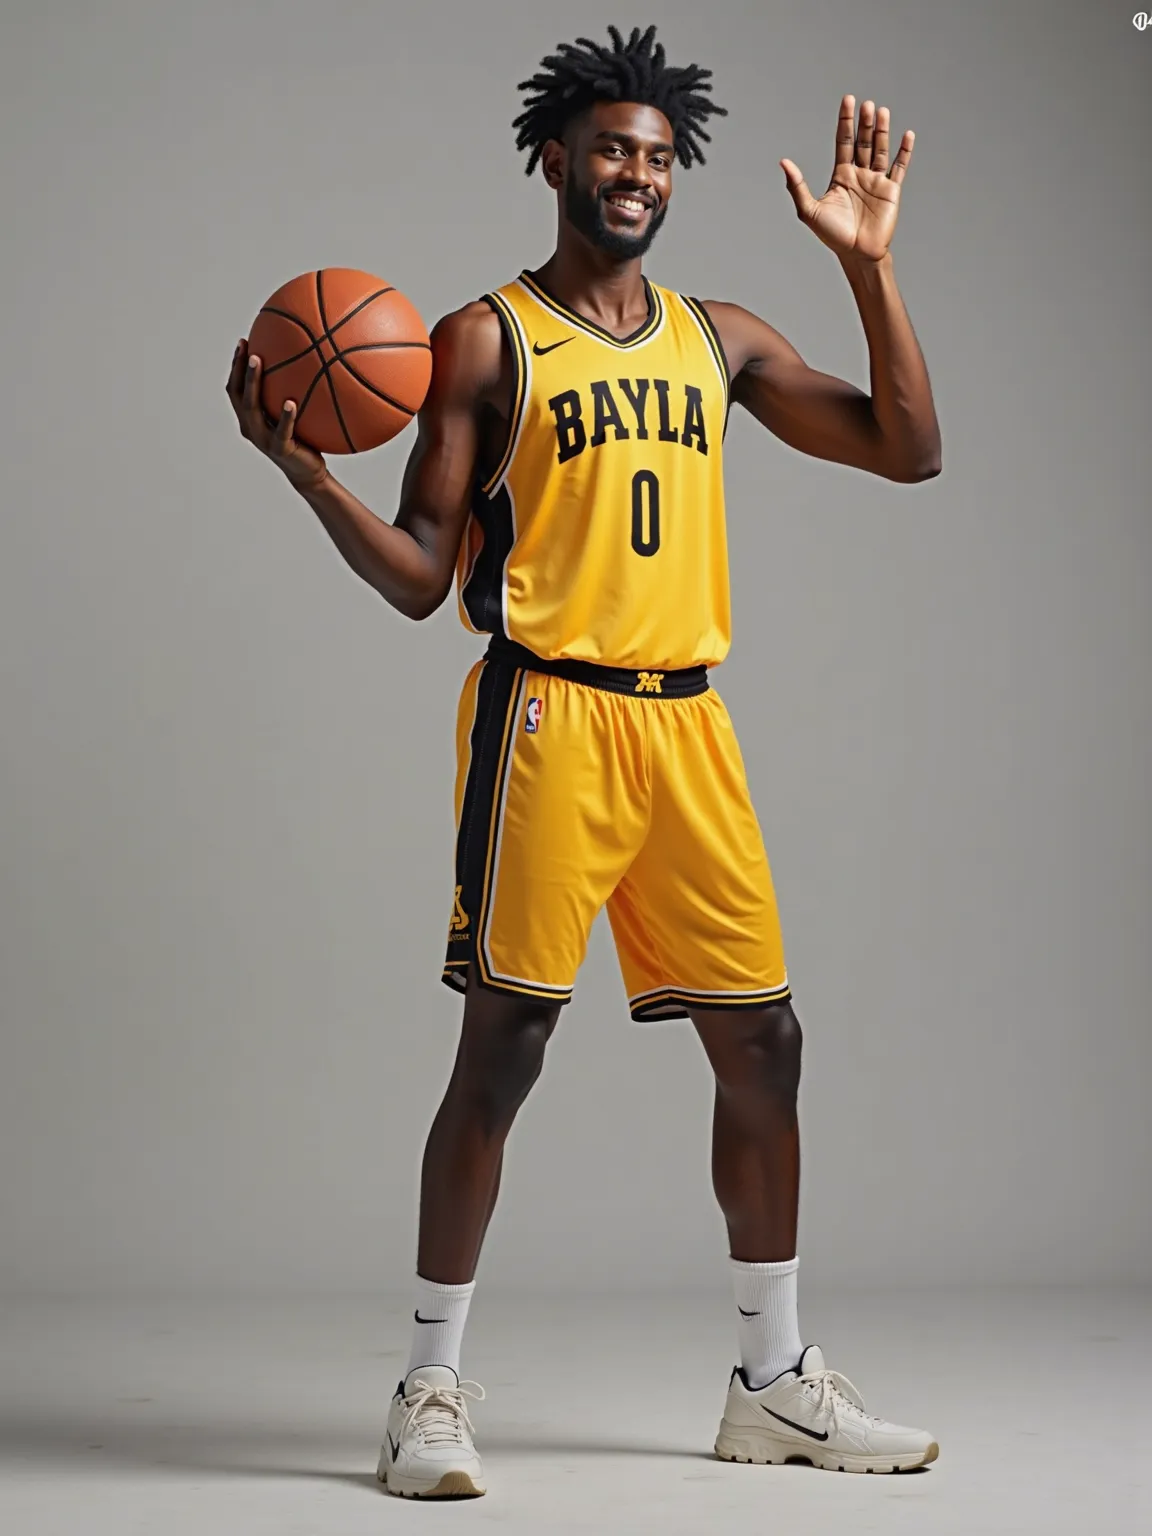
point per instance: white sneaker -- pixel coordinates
(817, 1415)
(428, 1451)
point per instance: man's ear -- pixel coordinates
(554, 160)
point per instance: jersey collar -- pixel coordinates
(589, 327)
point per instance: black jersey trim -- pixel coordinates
(712, 337)
(521, 373)
(482, 594)
(649, 328)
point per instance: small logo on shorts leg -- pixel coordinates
(458, 925)
(650, 682)
(533, 716)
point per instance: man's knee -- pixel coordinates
(501, 1052)
(763, 1055)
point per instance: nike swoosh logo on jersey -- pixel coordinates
(811, 1433)
(540, 351)
(742, 1312)
(420, 1319)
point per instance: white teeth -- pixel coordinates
(629, 203)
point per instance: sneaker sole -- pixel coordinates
(761, 1449)
(453, 1485)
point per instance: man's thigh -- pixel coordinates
(695, 918)
(551, 808)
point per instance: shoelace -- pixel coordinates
(832, 1390)
(441, 1411)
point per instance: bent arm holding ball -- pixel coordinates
(411, 561)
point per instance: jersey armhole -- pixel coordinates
(712, 337)
(518, 350)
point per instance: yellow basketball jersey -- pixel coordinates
(601, 536)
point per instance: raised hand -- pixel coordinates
(303, 466)
(857, 214)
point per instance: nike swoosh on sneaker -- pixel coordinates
(540, 351)
(393, 1446)
(420, 1319)
(791, 1423)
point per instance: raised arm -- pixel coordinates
(410, 561)
(893, 431)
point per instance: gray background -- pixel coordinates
(226, 767)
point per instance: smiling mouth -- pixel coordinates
(631, 207)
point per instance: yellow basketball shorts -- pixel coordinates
(579, 786)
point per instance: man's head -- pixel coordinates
(607, 123)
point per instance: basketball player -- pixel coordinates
(568, 471)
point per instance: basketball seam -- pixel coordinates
(325, 363)
(324, 370)
(295, 319)
(379, 393)
(321, 371)
(363, 346)
(271, 309)
(383, 346)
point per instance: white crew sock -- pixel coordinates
(767, 1324)
(438, 1324)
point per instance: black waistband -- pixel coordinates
(681, 683)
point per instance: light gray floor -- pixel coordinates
(244, 1418)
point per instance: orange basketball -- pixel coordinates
(350, 350)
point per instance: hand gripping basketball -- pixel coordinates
(337, 361)
(303, 466)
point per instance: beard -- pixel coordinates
(585, 210)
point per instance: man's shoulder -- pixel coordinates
(467, 347)
(472, 322)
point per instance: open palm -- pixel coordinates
(857, 214)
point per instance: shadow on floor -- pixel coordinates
(87, 1444)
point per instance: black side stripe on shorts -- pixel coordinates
(496, 692)
(492, 744)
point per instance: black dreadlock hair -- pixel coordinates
(580, 73)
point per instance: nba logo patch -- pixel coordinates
(532, 718)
